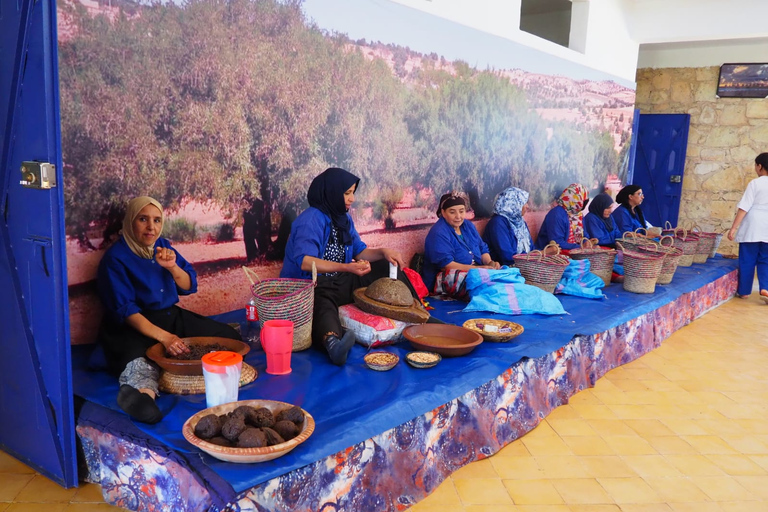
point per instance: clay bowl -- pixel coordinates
(246, 455)
(193, 366)
(447, 340)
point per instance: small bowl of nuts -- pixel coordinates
(381, 361)
(423, 359)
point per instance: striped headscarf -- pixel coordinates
(573, 199)
(509, 204)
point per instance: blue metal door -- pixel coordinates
(36, 410)
(662, 140)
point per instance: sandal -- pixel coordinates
(764, 296)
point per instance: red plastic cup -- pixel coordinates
(277, 341)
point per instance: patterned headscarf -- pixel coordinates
(573, 199)
(132, 211)
(509, 204)
(326, 193)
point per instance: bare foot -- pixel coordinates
(742, 296)
(764, 295)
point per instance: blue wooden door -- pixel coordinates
(36, 410)
(662, 140)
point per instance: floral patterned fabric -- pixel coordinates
(573, 199)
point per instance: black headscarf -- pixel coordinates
(326, 193)
(598, 206)
(623, 199)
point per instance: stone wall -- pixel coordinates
(725, 136)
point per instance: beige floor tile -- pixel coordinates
(542, 431)
(651, 466)
(595, 412)
(705, 506)
(630, 384)
(9, 464)
(427, 507)
(670, 445)
(482, 491)
(571, 426)
(41, 489)
(746, 444)
(95, 507)
(676, 489)
(595, 508)
(561, 466)
(514, 449)
(645, 507)
(588, 445)
(629, 445)
(564, 412)
(546, 446)
(685, 427)
(37, 507)
(709, 445)
(629, 490)
(11, 484)
(542, 508)
(723, 488)
(695, 465)
(649, 428)
(478, 469)
(757, 485)
(582, 491)
(523, 468)
(610, 427)
(586, 397)
(611, 396)
(444, 495)
(4, 506)
(744, 506)
(737, 465)
(487, 508)
(611, 466)
(533, 492)
(88, 493)
(629, 411)
(760, 460)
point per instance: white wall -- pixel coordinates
(702, 54)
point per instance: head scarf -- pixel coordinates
(449, 200)
(573, 199)
(509, 204)
(599, 204)
(623, 199)
(326, 193)
(132, 211)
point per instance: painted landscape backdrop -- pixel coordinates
(224, 111)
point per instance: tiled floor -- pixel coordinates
(682, 429)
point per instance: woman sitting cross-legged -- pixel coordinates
(453, 244)
(139, 281)
(324, 234)
(598, 222)
(507, 233)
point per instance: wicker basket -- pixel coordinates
(672, 257)
(668, 229)
(506, 330)
(718, 237)
(633, 241)
(709, 242)
(641, 269)
(540, 270)
(688, 243)
(286, 299)
(600, 260)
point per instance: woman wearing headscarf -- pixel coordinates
(563, 224)
(507, 233)
(598, 222)
(629, 216)
(324, 234)
(453, 243)
(750, 230)
(139, 282)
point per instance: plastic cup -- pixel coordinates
(221, 372)
(277, 341)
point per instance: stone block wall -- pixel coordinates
(725, 136)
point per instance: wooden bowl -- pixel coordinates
(422, 359)
(499, 331)
(246, 455)
(445, 339)
(381, 361)
(192, 366)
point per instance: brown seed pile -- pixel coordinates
(381, 358)
(423, 357)
(196, 352)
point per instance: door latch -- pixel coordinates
(38, 175)
(675, 178)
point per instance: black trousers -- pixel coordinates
(122, 343)
(334, 291)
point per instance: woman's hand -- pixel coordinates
(359, 267)
(164, 257)
(493, 265)
(393, 257)
(732, 234)
(173, 344)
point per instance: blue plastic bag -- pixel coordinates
(577, 280)
(505, 292)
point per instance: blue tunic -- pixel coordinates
(557, 227)
(309, 236)
(625, 220)
(501, 240)
(443, 245)
(594, 227)
(129, 284)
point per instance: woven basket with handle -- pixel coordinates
(633, 240)
(688, 243)
(641, 269)
(709, 242)
(600, 260)
(672, 257)
(540, 270)
(286, 299)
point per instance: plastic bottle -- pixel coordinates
(251, 321)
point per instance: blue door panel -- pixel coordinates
(36, 411)
(662, 140)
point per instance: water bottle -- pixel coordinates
(251, 322)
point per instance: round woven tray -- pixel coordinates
(195, 384)
(497, 337)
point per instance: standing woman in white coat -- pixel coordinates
(750, 230)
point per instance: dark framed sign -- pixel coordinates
(743, 81)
